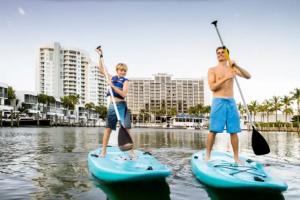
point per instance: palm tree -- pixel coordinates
(89, 107)
(268, 106)
(142, 113)
(102, 110)
(11, 93)
(276, 105)
(265, 110)
(206, 110)
(66, 102)
(199, 108)
(163, 107)
(260, 109)
(172, 112)
(241, 109)
(159, 112)
(74, 100)
(153, 113)
(192, 110)
(69, 102)
(43, 99)
(253, 108)
(11, 96)
(145, 115)
(50, 100)
(288, 111)
(296, 96)
(156, 111)
(287, 101)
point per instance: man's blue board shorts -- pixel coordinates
(223, 114)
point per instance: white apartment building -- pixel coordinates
(3, 97)
(28, 100)
(49, 70)
(97, 87)
(164, 93)
(65, 71)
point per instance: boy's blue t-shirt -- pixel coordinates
(119, 83)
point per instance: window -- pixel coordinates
(50, 56)
(5, 93)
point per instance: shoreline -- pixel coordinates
(48, 125)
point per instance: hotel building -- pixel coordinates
(162, 92)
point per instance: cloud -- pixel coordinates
(21, 11)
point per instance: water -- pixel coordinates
(50, 163)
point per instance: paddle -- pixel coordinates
(125, 142)
(259, 144)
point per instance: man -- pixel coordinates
(224, 110)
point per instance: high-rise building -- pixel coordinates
(96, 90)
(65, 71)
(164, 93)
(49, 71)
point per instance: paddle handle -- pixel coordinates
(109, 87)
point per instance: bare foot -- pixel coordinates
(238, 161)
(207, 158)
(132, 155)
(103, 154)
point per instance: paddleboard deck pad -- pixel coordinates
(221, 172)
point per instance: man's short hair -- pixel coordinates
(222, 47)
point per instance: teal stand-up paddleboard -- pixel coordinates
(221, 172)
(117, 166)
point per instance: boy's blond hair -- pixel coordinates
(121, 66)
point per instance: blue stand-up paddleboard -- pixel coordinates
(117, 166)
(221, 172)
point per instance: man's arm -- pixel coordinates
(214, 84)
(123, 92)
(240, 71)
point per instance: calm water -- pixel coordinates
(50, 163)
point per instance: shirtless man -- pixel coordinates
(224, 110)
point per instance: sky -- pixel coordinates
(166, 36)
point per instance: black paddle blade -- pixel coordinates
(124, 140)
(259, 144)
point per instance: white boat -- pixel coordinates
(188, 121)
(191, 127)
(25, 117)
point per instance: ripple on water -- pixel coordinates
(15, 187)
(50, 163)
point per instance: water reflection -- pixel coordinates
(149, 190)
(50, 163)
(160, 138)
(216, 194)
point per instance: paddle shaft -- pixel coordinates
(110, 89)
(235, 78)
